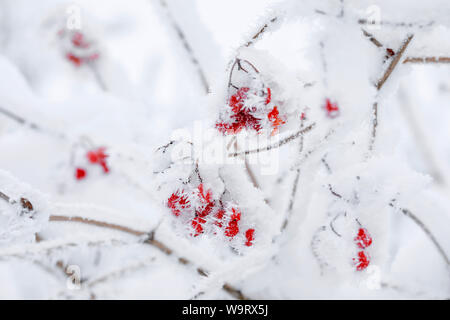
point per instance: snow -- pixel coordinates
(143, 100)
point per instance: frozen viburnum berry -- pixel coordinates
(197, 224)
(363, 239)
(274, 118)
(248, 109)
(232, 228)
(77, 61)
(80, 173)
(98, 156)
(362, 261)
(249, 235)
(331, 108)
(219, 217)
(178, 202)
(77, 48)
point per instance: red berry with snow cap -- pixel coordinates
(363, 239)
(363, 260)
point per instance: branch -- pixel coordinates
(382, 81)
(150, 240)
(186, 45)
(396, 24)
(260, 32)
(25, 203)
(427, 60)
(295, 184)
(276, 145)
(427, 231)
(394, 62)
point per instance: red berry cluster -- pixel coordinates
(363, 240)
(80, 51)
(203, 211)
(249, 117)
(97, 156)
(332, 109)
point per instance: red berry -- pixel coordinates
(363, 239)
(78, 40)
(237, 100)
(197, 224)
(219, 217)
(178, 202)
(249, 236)
(363, 261)
(233, 229)
(275, 119)
(80, 173)
(77, 61)
(98, 156)
(331, 108)
(269, 96)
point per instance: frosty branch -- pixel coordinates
(276, 145)
(150, 240)
(187, 47)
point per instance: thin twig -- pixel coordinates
(295, 184)
(186, 45)
(395, 24)
(372, 39)
(394, 62)
(380, 84)
(260, 32)
(425, 229)
(427, 60)
(276, 145)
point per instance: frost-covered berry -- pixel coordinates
(331, 108)
(98, 156)
(250, 109)
(197, 224)
(362, 261)
(77, 61)
(233, 229)
(77, 48)
(249, 235)
(80, 173)
(274, 118)
(178, 202)
(219, 217)
(363, 239)
(79, 41)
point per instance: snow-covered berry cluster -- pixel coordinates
(362, 240)
(96, 156)
(77, 47)
(203, 213)
(250, 104)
